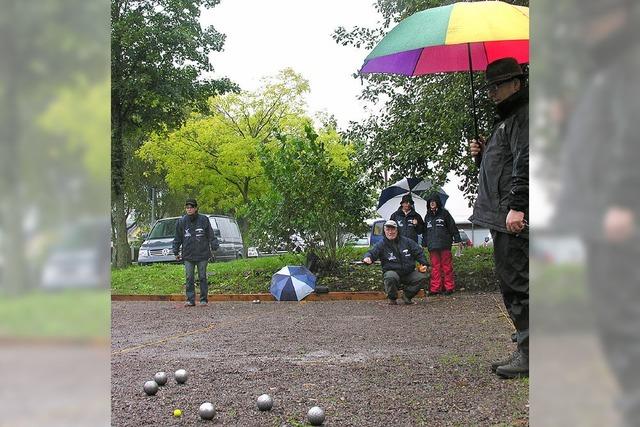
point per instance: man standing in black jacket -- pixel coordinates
(195, 235)
(398, 256)
(502, 204)
(409, 221)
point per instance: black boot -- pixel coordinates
(519, 367)
(504, 361)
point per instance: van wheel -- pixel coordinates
(239, 256)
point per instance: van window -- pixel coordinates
(164, 229)
(214, 225)
(377, 228)
(229, 230)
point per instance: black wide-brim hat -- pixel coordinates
(502, 70)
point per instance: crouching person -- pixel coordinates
(398, 256)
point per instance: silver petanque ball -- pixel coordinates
(181, 376)
(207, 411)
(160, 378)
(150, 387)
(316, 416)
(265, 402)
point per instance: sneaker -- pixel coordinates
(393, 302)
(204, 303)
(189, 304)
(432, 294)
(407, 300)
(519, 367)
(504, 361)
(448, 292)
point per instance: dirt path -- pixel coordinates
(365, 363)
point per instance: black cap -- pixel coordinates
(502, 70)
(191, 202)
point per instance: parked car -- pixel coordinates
(158, 245)
(466, 241)
(78, 257)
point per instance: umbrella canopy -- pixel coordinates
(458, 37)
(292, 283)
(465, 36)
(391, 196)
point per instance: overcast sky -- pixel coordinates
(263, 37)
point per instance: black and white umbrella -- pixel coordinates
(418, 188)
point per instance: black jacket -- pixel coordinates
(196, 237)
(399, 255)
(504, 166)
(440, 229)
(406, 227)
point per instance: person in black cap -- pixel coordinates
(398, 256)
(410, 223)
(195, 235)
(502, 204)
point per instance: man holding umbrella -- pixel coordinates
(398, 256)
(409, 221)
(502, 204)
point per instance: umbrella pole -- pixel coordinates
(473, 99)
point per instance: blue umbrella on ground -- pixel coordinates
(292, 283)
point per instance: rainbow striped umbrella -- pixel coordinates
(462, 36)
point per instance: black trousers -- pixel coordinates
(614, 283)
(511, 256)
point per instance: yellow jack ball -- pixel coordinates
(177, 413)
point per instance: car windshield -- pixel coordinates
(164, 229)
(463, 236)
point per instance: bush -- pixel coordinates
(474, 271)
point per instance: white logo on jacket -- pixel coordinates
(391, 256)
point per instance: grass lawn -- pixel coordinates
(474, 271)
(69, 314)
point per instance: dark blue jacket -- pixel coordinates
(399, 255)
(439, 228)
(196, 237)
(406, 227)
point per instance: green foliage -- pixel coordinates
(315, 193)
(214, 156)
(242, 276)
(159, 51)
(425, 121)
(474, 271)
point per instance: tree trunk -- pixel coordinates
(122, 248)
(121, 245)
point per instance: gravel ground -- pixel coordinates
(366, 363)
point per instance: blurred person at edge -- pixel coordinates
(502, 204)
(600, 197)
(398, 256)
(195, 235)
(440, 232)
(409, 221)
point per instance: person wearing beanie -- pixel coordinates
(194, 240)
(502, 204)
(410, 223)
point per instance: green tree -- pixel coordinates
(424, 120)
(216, 155)
(159, 52)
(316, 193)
